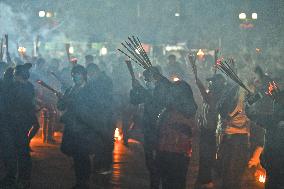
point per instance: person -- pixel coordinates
(19, 118)
(261, 83)
(89, 59)
(272, 156)
(176, 123)
(174, 70)
(81, 113)
(100, 85)
(234, 152)
(149, 96)
(209, 118)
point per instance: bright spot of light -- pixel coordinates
(175, 79)
(103, 51)
(22, 50)
(48, 14)
(242, 16)
(41, 14)
(71, 50)
(262, 178)
(200, 53)
(177, 14)
(254, 16)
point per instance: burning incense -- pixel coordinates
(136, 52)
(223, 66)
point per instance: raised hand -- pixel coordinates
(192, 60)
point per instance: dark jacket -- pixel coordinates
(79, 135)
(177, 120)
(154, 101)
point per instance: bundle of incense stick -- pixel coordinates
(136, 52)
(223, 66)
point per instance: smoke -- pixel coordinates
(15, 24)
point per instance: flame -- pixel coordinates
(272, 87)
(117, 135)
(22, 50)
(262, 178)
(175, 79)
(200, 53)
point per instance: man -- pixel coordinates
(176, 123)
(100, 85)
(153, 98)
(19, 118)
(79, 118)
(272, 157)
(174, 70)
(209, 118)
(89, 59)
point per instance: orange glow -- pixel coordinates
(260, 175)
(22, 50)
(200, 53)
(262, 178)
(117, 135)
(272, 87)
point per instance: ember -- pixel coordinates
(262, 178)
(117, 135)
(272, 88)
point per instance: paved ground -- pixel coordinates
(53, 170)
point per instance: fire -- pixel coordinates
(260, 175)
(272, 87)
(262, 178)
(22, 50)
(117, 135)
(200, 53)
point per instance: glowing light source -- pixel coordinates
(48, 14)
(71, 50)
(254, 16)
(177, 14)
(103, 51)
(41, 14)
(200, 53)
(22, 50)
(175, 79)
(117, 135)
(242, 16)
(173, 48)
(262, 178)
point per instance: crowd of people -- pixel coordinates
(88, 99)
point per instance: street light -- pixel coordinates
(48, 14)
(103, 51)
(41, 14)
(71, 50)
(177, 14)
(242, 16)
(254, 16)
